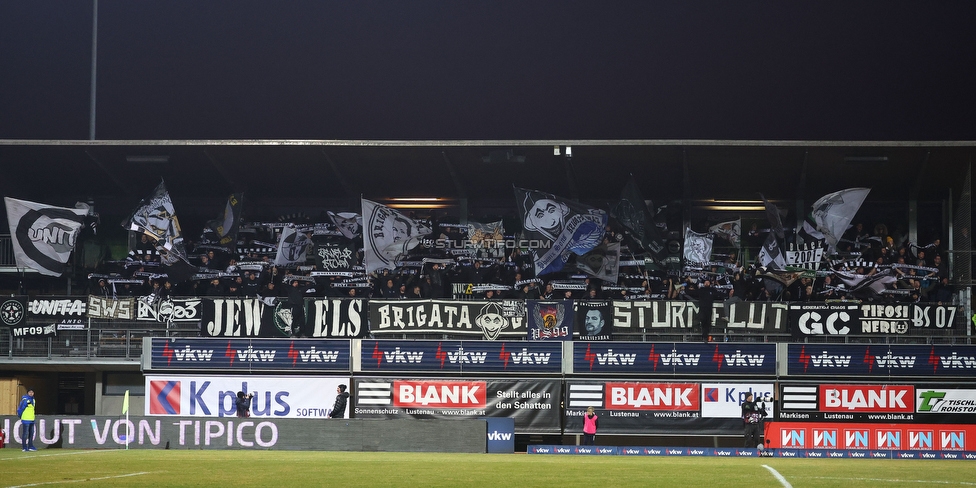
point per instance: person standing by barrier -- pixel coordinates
(339, 408)
(244, 404)
(590, 423)
(26, 413)
(752, 415)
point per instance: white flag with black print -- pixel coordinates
(292, 247)
(833, 212)
(347, 223)
(388, 236)
(698, 247)
(729, 231)
(43, 236)
(156, 217)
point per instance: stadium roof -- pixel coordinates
(323, 172)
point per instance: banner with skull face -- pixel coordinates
(488, 319)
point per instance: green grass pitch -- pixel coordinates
(56, 467)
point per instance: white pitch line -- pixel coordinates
(35, 456)
(779, 477)
(934, 482)
(81, 480)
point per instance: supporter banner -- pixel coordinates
(926, 316)
(169, 310)
(243, 317)
(35, 330)
(461, 356)
(592, 320)
(881, 360)
(724, 400)
(249, 354)
(843, 435)
(660, 316)
(756, 316)
(533, 403)
(811, 319)
(57, 307)
(643, 408)
(869, 319)
(334, 255)
(674, 358)
(335, 317)
(487, 319)
(13, 310)
(549, 320)
(111, 308)
(216, 396)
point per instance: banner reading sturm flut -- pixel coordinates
(533, 403)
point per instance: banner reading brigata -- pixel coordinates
(462, 356)
(249, 354)
(674, 358)
(533, 403)
(216, 396)
(881, 360)
(487, 319)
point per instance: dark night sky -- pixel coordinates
(491, 70)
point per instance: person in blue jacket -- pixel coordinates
(26, 413)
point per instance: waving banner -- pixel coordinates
(43, 235)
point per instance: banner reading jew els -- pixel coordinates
(534, 404)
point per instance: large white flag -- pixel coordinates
(698, 247)
(292, 247)
(388, 235)
(43, 235)
(833, 212)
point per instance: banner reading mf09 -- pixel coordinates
(534, 404)
(216, 396)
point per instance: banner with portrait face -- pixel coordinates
(594, 320)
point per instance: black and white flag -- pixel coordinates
(43, 235)
(632, 213)
(156, 217)
(698, 247)
(602, 262)
(292, 247)
(222, 232)
(729, 231)
(770, 255)
(833, 212)
(561, 226)
(389, 236)
(348, 223)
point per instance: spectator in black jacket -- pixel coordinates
(339, 408)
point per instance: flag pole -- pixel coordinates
(125, 410)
